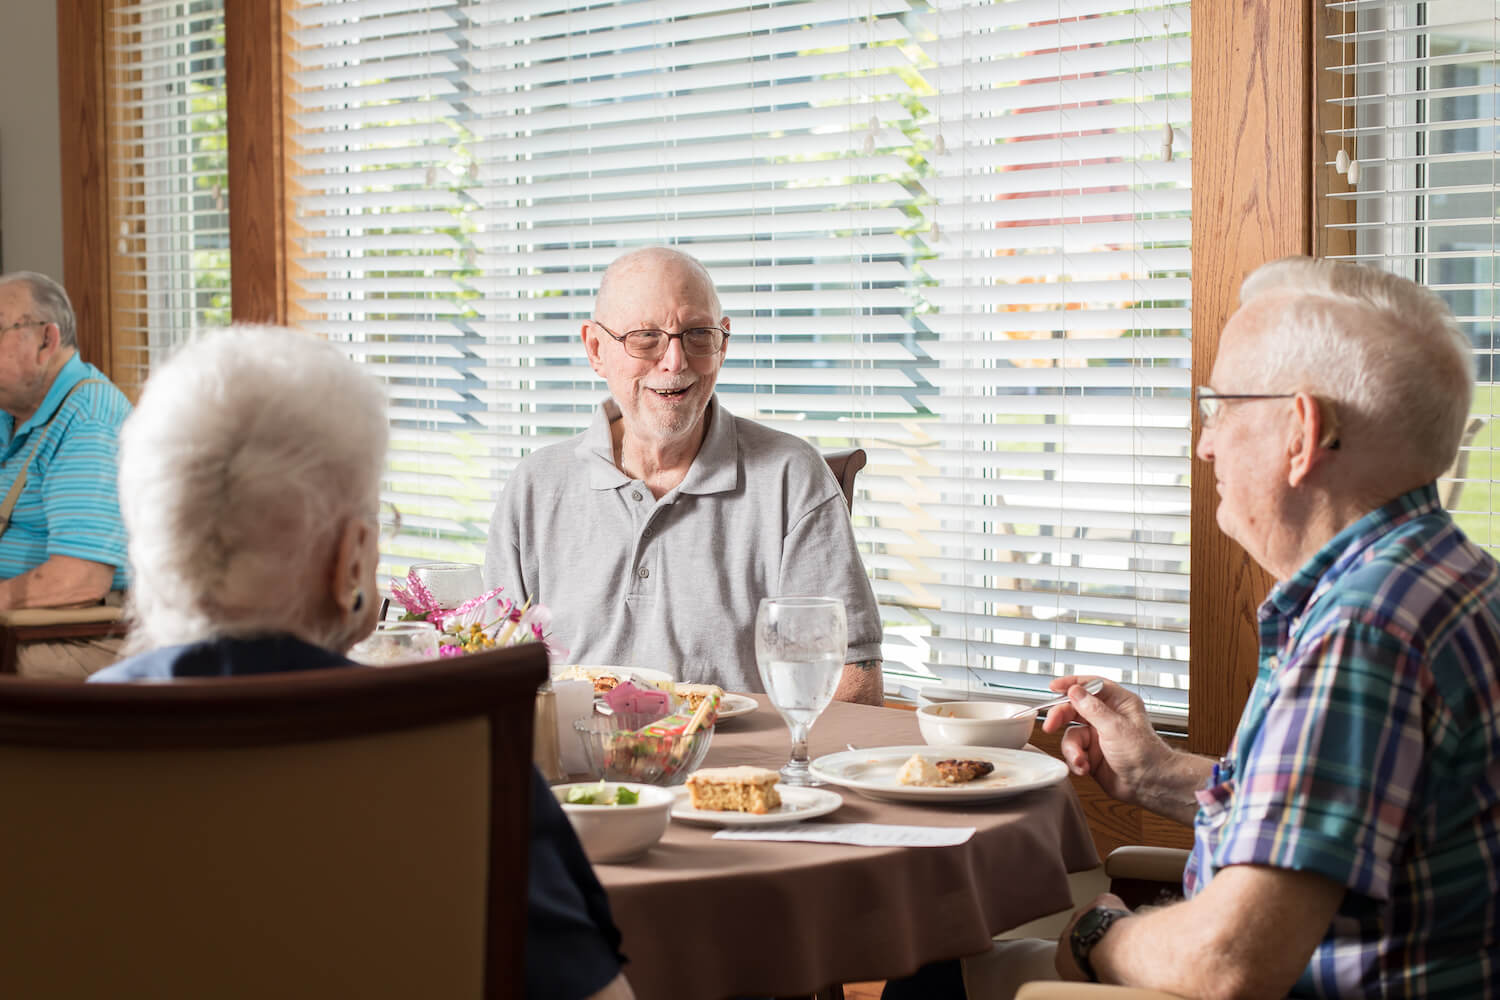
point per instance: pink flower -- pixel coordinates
(416, 599)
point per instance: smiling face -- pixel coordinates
(661, 402)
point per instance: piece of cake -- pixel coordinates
(696, 693)
(734, 789)
(958, 772)
(918, 770)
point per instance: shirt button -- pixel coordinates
(636, 495)
(643, 572)
(648, 532)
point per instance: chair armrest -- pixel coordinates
(1147, 864)
(22, 617)
(1088, 991)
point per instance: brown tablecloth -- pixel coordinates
(705, 918)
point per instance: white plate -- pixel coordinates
(797, 804)
(873, 772)
(734, 705)
(581, 671)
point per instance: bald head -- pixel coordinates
(663, 261)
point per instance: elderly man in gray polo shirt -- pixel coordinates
(653, 535)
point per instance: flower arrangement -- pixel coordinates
(482, 622)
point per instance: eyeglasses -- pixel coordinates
(650, 345)
(1211, 403)
(23, 323)
(389, 518)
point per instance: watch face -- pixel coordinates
(1093, 921)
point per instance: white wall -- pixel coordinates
(30, 162)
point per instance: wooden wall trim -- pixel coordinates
(1252, 202)
(253, 80)
(85, 174)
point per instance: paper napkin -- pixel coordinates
(859, 834)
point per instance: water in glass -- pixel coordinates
(800, 644)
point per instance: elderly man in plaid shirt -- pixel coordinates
(1349, 843)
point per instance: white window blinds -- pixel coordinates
(169, 272)
(946, 235)
(1416, 95)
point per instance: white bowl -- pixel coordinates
(611, 834)
(976, 723)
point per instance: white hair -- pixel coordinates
(1386, 352)
(49, 301)
(249, 451)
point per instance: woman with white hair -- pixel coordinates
(250, 488)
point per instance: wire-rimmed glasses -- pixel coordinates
(650, 345)
(1211, 403)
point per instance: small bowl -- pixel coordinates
(611, 834)
(616, 752)
(976, 723)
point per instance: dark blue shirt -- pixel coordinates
(572, 946)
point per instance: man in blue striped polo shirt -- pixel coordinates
(62, 544)
(1348, 844)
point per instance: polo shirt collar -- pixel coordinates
(1346, 550)
(69, 375)
(715, 469)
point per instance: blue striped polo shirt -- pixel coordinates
(70, 504)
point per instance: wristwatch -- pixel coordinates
(1087, 932)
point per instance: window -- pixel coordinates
(169, 269)
(1414, 102)
(949, 234)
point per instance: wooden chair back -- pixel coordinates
(350, 832)
(845, 466)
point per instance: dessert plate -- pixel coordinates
(734, 705)
(873, 772)
(797, 804)
(587, 672)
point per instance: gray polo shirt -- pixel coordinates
(673, 584)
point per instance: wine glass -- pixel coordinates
(800, 644)
(396, 642)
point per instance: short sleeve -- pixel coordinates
(81, 497)
(1334, 772)
(819, 556)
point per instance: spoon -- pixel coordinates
(1092, 687)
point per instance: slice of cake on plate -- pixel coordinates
(734, 789)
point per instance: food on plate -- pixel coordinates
(603, 795)
(735, 789)
(695, 693)
(958, 772)
(918, 770)
(605, 683)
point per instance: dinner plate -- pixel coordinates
(581, 671)
(734, 705)
(873, 772)
(797, 804)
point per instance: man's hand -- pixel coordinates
(1067, 967)
(861, 683)
(60, 582)
(1118, 747)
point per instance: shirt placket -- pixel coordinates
(646, 513)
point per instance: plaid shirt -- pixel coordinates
(1369, 752)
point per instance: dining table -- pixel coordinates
(711, 918)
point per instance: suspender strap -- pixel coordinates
(40, 434)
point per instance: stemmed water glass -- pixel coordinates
(800, 644)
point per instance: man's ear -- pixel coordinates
(724, 325)
(591, 346)
(51, 341)
(350, 567)
(1312, 438)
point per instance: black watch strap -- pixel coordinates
(1088, 931)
